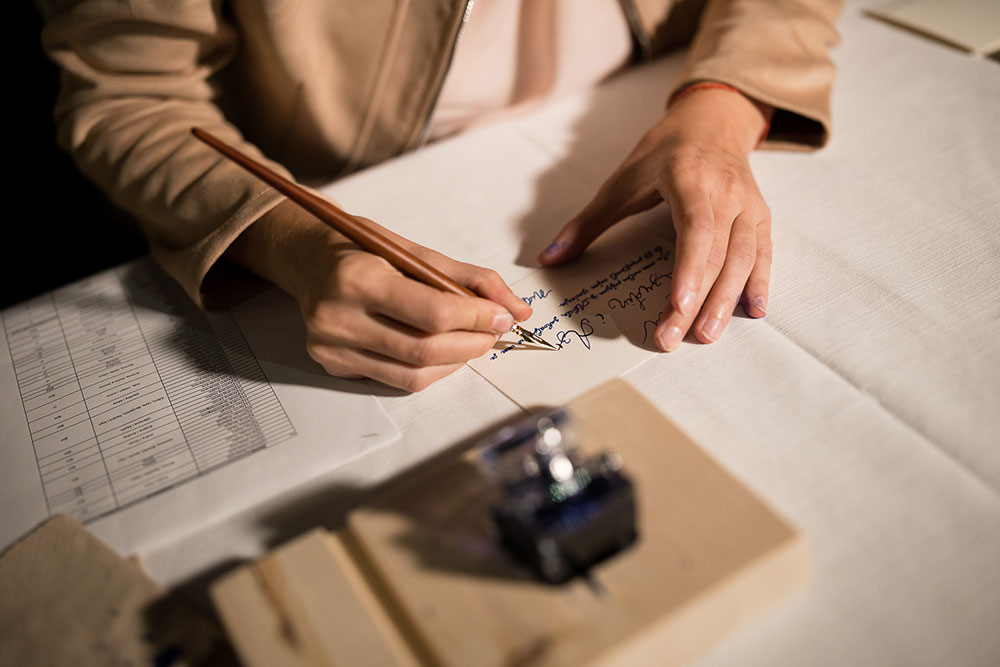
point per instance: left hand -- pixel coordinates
(696, 160)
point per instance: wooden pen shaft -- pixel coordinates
(340, 220)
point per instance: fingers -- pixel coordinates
(735, 266)
(623, 194)
(758, 285)
(369, 320)
(431, 310)
(489, 285)
(697, 236)
(676, 322)
(741, 255)
(349, 362)
(484, 282)
(391, 339)
(695, 222)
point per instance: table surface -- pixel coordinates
(866, 406)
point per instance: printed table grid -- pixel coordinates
(128, 390)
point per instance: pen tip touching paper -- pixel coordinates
(532, 337)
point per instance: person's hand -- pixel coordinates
(366, 319)
(694, 159)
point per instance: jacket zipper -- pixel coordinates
(425, 130)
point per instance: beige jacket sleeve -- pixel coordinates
(135, 80)
(777, 52)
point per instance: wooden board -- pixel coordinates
(429, 585)
(67, 599)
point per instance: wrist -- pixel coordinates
(284, 245)
(723, 112)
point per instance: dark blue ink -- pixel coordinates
(537, 295)
(551, 323)
(583, 335)
(570, 299)
(646, 325)
(637, 297)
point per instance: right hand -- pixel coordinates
(366, 319)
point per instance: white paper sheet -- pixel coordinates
(600, 311)
(136, 413)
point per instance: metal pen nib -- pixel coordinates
(531, 336)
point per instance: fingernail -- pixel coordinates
(502, 322)
(670, 338)
(759, 303)
(685, 301)
(712, 328)
(553, 248)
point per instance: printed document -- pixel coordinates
(136, 413)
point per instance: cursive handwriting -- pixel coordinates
(625, 267)
(638, 272)
(632, 299)
(640, 269)
(505, 350)
(637, 297)
(646, 324)
(583, 335)
(609, 287)
(570, 299)
(658, 252)
(577, 309)
(551, 323)
(537, 295)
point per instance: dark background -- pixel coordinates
(64, 228)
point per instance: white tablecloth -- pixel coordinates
(866, 406)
